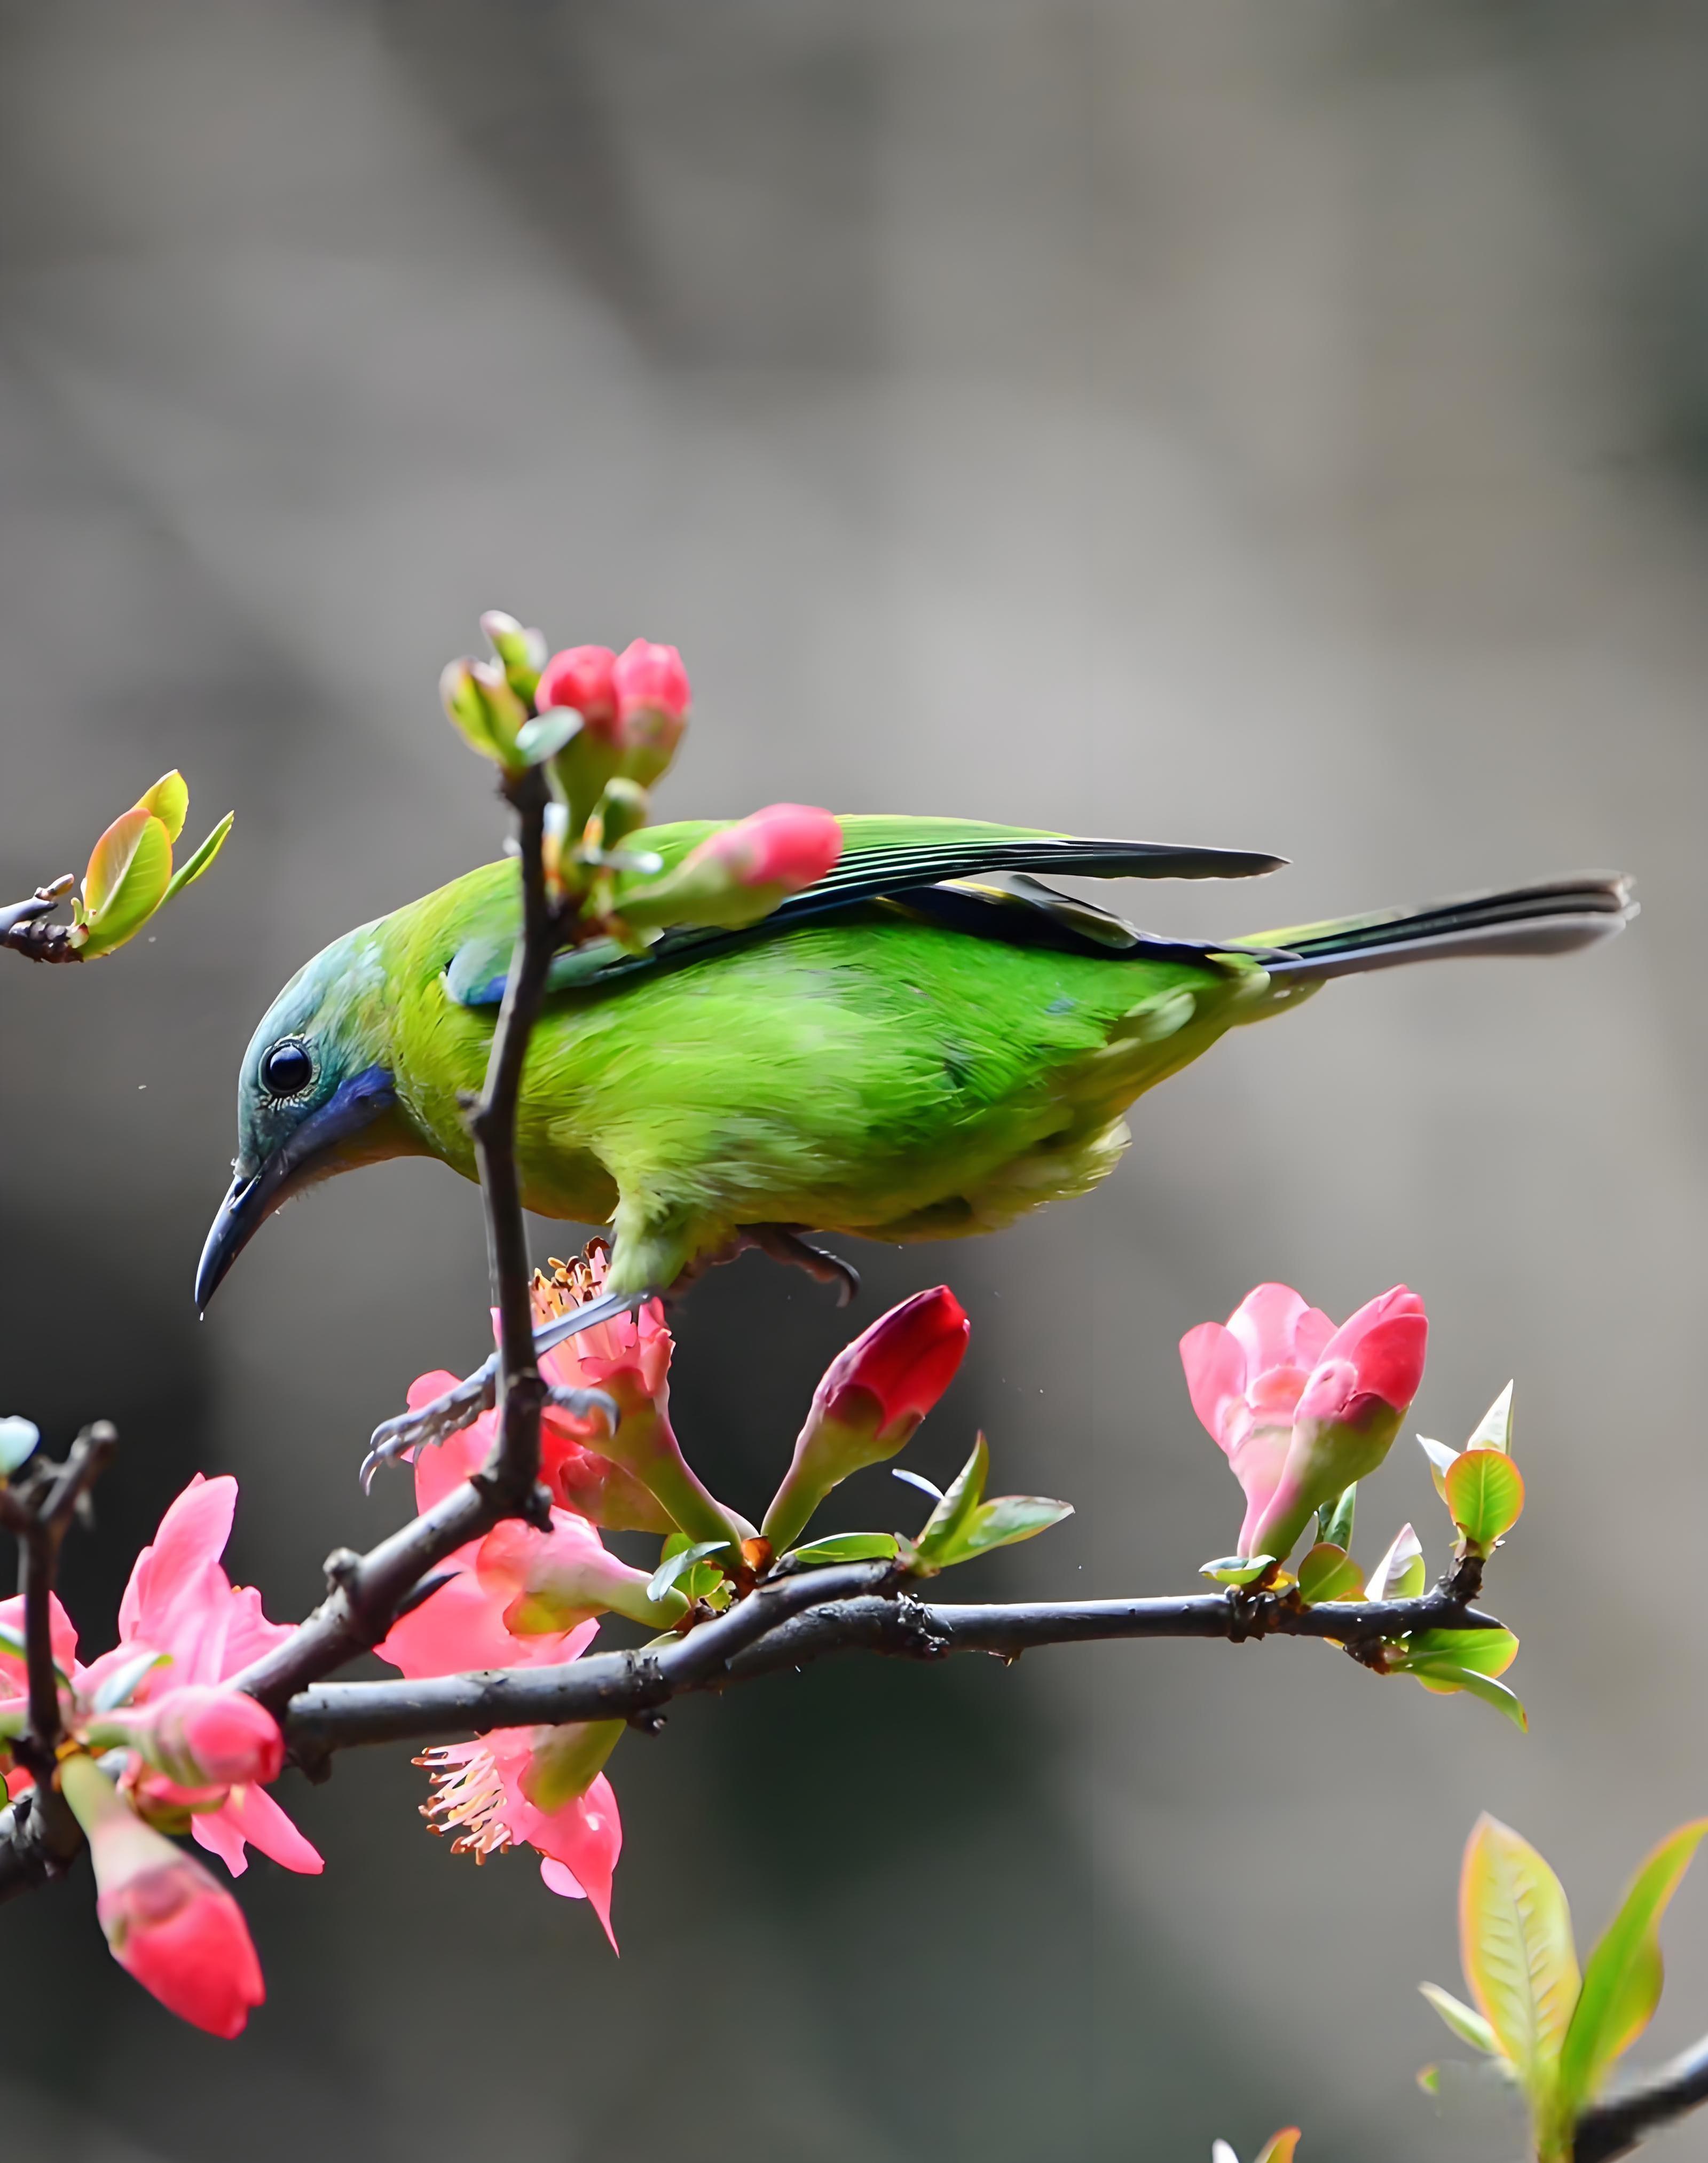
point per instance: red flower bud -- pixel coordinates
(874, 1395)
(648, 678)
(184, 1938)
(581, 677)
(205, 1737)
(177, 1931)
(905, 1360)
(785, 844)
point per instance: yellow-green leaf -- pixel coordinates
(193, 866)
(1494, 1428)
(129, 872)
(942, 1530)
(1445, 1677)
(1486, 1495)
(1623, 1976)
(1329, 1573)
(1400, 1573)
(1515, 1930)
(1469, 2027)
(169, 799)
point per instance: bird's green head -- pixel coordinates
(316, 1094)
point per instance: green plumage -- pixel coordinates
(867, 1071)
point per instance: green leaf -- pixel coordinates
(1400, 1573)
(1484, 1652)
(1442, 1460)
(1237, 1570)
(1334, 1525)
(122, 1684)
(12, 1641)
(169, 799)
(1515, 1942)
(1486, 1495)
(1469, 2027)
(1445, 1677)
(18, 1437)
(546, 735)
(193, 866)
(129, 870)
(1003, 1523)
(1494, 1429)
(674, 1565)
(1329, 1573)
(844, 1546)
(1623, 1974)
(943, 1528)
(1429, 2079)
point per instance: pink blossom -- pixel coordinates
(480, 1797)
(581, 677)
(180, 1602)
(1302, 1409)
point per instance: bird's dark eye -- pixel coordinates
(287, 1069)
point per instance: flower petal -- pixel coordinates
(217, 1832)
(191, 1536)
(1215, 1361)
(264, 1825)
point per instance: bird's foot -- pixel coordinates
(586, 1405)
(784, 1243)
(431, 1423)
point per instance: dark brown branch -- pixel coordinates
(37, 1509)
(25, 928)
(792, 1620)
(515, 1458)
(1621, 2123)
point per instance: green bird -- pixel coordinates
(925, 1044)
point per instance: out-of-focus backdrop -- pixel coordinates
(1278, 425)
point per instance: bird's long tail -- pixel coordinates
(1550, 919)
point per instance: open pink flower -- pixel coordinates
(1302, 1409)
(481, 1788)
(180, 1602)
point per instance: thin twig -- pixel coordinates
(515, 1458)
(37, 1509)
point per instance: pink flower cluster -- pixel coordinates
(199, 1755)
(1302, 1409)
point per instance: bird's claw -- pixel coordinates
(586, 1405)
(784, 1243)
(432, 1423)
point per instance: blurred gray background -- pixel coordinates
(1279, 423)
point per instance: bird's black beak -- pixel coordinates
(325, 1142)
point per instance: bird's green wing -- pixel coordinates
(915, 863)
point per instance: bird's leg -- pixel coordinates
(432, 1423)
(784, 1243)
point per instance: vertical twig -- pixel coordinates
(39, 1509)
(515, 1459)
